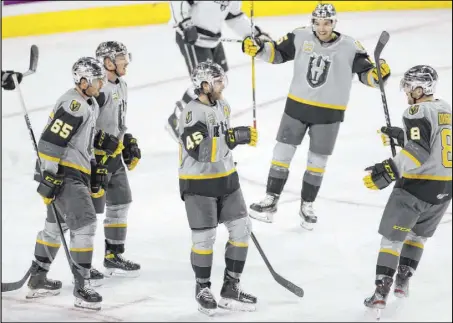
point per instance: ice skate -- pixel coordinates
(234, 298)
(402, 281)
(264, 210)
(172, 125)
(39, 285)
(205, 299)
(96, 278)
(307, 214)
(378, 300)
(85, 297)
(116, 265)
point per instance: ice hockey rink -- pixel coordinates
(335, 263)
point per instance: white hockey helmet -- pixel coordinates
(90, 69)
(420, 76)
(208, 72)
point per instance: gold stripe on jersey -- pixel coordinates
(49, 158)
(214, 149)
(427, 177)
(208, 176)
(317, 104)
(75, 166)
(272, 55)
(411, 157)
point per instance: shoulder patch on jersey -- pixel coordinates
(189, 117)
(308, 46)
(444, 118)
(115, 96)
(414, 109)
(359, 45)
(226, 111)
(75, 105)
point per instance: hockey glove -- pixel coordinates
(131, 152)
(98, 179)
(108, 143)
(241, 136)
(189, 31)
(381, 176)
(252, 46)
(50, 186)
(385, 71)
(264, 37)
(7, 79)
(392, 133)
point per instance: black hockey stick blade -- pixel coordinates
(296, 290)
(8, 287)
(34, 56)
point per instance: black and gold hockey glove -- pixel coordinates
(252, 46)
(241, 136)
(98, 179)
(381, 176)
(385, 71)
(50, 186)
(392, 133)
(108, 143)
(131, 152)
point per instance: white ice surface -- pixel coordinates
(335, 263)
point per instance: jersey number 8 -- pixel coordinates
(61, 128)
(445, 136)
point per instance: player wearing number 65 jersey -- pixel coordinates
(422, 193)
(112, 119)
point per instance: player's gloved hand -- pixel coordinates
(252, 46)
(189, 30)
(385, 71)
(392, 133)
(108, 143)
(50, 186)
(98, 179)
(131, 152)
(7, 79)
(381, 175)
(241, 136)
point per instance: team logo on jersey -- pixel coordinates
(115, 96)
(211, 118)
(226, 111)
(414, 109)
(188, 117)
(318, 69)
(223, 4)
(444, 119)
(75, 105)
(308, 46)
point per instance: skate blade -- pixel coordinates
(307, 225)
(234, 305)
(39, 293)
(265, 217)
(171, 132)
(116, 272)
(93, 306)
(206, 311)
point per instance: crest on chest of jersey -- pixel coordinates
(223, 4)
(318, 69)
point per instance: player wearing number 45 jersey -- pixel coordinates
(68, 177)
(423, 191)
(325, 62)
(209, 186)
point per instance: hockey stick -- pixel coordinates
(34, 55)
(383, 39)
(279, 279)
(223, 40)
(252, 26)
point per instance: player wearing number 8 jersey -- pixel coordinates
(423, 191)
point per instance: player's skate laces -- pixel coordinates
(402, 281)
(88, 298)
(307, 213)
(265, 209)
(117, 265)
(205, 299)
(234, 298)
(39, 285)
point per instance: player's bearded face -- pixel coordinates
(323, 28)
(219, 84)
(96, 86)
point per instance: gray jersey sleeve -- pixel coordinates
(63, 124)
(197, 139)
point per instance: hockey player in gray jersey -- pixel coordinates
(209, 186)
(68, 176)
(422, 192)
(199, 29)
(325, 62)
(112, 119)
